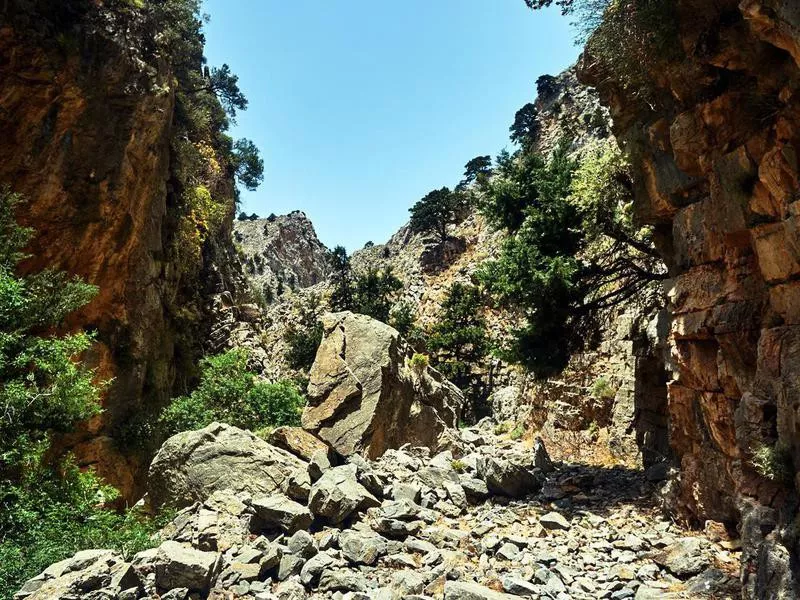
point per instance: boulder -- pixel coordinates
(278, 512)
(298, 441)
(179, 566)
(337, 494)
(192, 465)
(684, 557)
(362, 547)
(365, 398)
(507, 478)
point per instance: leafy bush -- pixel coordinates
(403, 317)
(436, 211)
(773, 462)
(517, 432)
(459, 466)
(502, 428)
(419, 362)
(230, 393)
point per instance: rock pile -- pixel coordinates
(413, 525)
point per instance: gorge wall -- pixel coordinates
(715, 146)
(87, 135)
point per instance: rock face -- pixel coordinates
(190, 466)
(281, 252)
(717, 165)
(364, 397)
(86, 136)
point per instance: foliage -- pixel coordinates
(517, 432)
(403, 317)
(419, 362)
(572, 251)
(49, 509)
(459, 336)
(502, 428)
(628, 39)
(342, 280)
(304, 336)
(374, 292)
(436, 211)
(247, 165)
(459, 466)
(773, 462)
(478, 169)
(228, 392)
(525, 128)
(602, 389)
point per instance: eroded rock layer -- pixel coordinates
(715, 146)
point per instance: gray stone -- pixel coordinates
(458, 590)
(179, 566)
(684, 557)
(362, 547)
(337, 494)
(302, 544)
(279, 512)
(190, 466)
(554, 520)
(344, 580)
(507, 478)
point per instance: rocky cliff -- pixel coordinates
(715, 146)
(88, 133)
(281, 253)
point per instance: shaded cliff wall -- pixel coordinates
(715, 147)
(86, 124)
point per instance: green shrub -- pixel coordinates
(304, 337)
(602, 389)
(419, 362)
(228, 392)
(517, 432)
(502, 428)
(773, 462)
(459, 466)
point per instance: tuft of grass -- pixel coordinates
(502, 428)
(458, 466)
(602, 389)
(517, 432)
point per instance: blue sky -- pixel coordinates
(361, 107)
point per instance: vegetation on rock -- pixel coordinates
(436, 211)
(49, 509)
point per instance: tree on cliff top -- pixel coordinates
(436, 211)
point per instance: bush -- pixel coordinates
(502, 428)
(517, 432)
(228, 392)
(419, 362)
(773, 462)
(459, 466)
(602, 389)
(304, 337)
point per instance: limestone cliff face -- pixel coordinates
(86, 124)
(717, 163)
(281, 253)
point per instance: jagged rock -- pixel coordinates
(508, 478)
(101, 572)
(302, 544)
(337, 494)
(363, 397)
(684, 557)
(459, 590)
(553, 520)
(179, 566)
(298, 441)
(362, 547)
(541, 460)
(277, 511)
(190, 466)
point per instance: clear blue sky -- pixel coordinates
(360, 107)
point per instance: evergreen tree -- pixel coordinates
(478, 169)
(342, 280)
(374, 292)
(436, 211)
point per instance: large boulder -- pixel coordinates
(337, 494)
(363, 397)
(192, 465)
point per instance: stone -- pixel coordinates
(298, 441)
(337, 494)
(459, 590)
(362, 547)
(507, 478)
(364, 398)
(344, 580)
(541, 460)
(475, 489)
(684, 557)
(190, 466)
(178, 566)
(402, 490)
(554, 520)
(279, 512)
(315, 566)
(302, 544)
(519, 587)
